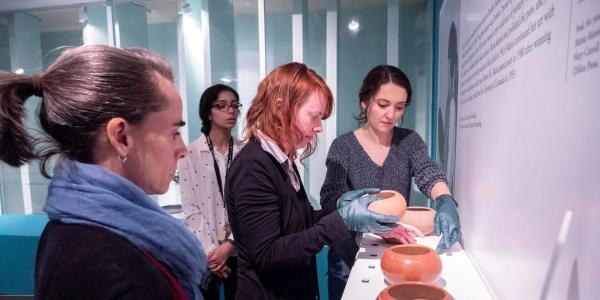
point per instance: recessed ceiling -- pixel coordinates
(58, 19)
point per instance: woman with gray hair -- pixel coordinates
(113, 117)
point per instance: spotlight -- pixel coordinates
(354, 26)
(184, 7)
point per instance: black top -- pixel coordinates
(77, 261)
(277, 231)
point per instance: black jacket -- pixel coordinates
(277, 233)
(89, 262)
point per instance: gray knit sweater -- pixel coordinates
(349, 167)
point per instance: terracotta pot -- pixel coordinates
(393, 203)
(415, 263)
(414, 290)
(420, 217)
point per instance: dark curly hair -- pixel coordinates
(209, 96)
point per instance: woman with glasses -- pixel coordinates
(202, 179)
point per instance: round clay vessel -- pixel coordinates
(411, 263)
(420, 217)
(414, 290)
(393, 203)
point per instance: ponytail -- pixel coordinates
(16, 144)
(81, 91)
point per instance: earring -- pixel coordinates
(123, 159)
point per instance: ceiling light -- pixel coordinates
(354, 26)
(19, 71)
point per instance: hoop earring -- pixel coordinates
(123, 159)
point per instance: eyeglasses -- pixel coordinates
(225, 107)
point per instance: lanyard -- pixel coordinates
(216, 165)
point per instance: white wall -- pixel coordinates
(528, 143)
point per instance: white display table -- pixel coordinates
(459, 277)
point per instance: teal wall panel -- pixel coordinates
(278, 37)
(222, 42)
(4, 48)
(194, 65)
(53, 43)
(19, 237)
(132, 25)
(247, 62)
(95, 31)
(322, 272)
(357, 54)
(26, 53)
(162, 39)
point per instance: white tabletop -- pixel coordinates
(459, 277)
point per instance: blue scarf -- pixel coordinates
(89, 194)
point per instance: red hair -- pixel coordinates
(291, 83)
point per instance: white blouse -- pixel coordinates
(203, 205)
(271, 147)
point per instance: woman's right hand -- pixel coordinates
(347, 197)
(403, 234)
(355, 213)
(217, 259)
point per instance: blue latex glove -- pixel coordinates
(446, 222)
(359, 218)
(347, 197)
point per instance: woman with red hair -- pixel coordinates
(277, 232)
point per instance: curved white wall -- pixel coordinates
(528, 142)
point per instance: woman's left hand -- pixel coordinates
(404, 234)
(447, 222)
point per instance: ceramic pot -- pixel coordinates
(393, 203)
(414, 290)
(420, 217)
(411, 263)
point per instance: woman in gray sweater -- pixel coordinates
(379, 154)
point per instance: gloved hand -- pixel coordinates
(359, 218)
(347, 197)
(446, 222)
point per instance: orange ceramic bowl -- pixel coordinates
(420, 217)
(414, 290)
(393, 203)
(411, 263)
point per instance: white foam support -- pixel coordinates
(459, 277)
